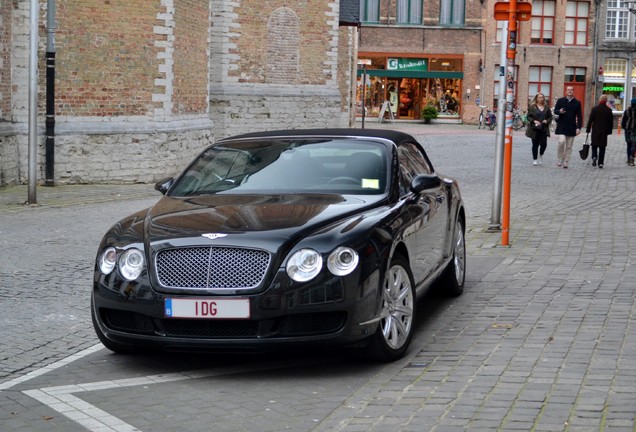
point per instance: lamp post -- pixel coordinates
(364, 63)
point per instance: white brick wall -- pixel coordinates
(249, 108)
(112, 153)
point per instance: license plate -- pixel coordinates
(207, 308)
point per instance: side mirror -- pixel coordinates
(425, 182)
(164, 184)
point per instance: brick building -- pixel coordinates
(417, 53)
(555, 48)
(143, 86)
(420, 51)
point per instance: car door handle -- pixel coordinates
(440, 198)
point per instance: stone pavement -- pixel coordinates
(543, 338)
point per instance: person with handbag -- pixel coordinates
(601, 123)
(628, 123)
(538, 129)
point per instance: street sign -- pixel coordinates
(502, 11)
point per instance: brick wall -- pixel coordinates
(256, 109)
(347, 67)
(126, 158)
(5, 60)
(276, 65)
(282, 31)
(9, 157)
(106, 57)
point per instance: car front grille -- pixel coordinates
(211, 267)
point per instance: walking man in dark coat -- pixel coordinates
(601, 123)
(569, 124)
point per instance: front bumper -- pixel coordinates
(330, 309)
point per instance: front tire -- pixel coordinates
(452, 279)
(395, 329)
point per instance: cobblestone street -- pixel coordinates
(543, 338)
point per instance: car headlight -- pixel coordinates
(131, 263)
(304, 265)
(342, 261)
(107, 260)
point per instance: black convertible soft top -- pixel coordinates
(388, 134)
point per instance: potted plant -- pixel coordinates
(428, 113)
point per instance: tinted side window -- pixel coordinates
(412, 163)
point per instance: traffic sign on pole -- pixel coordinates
(523, 11)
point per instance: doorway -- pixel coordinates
(579, 93)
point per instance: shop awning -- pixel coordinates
(411, 74)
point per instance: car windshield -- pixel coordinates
(334, 165)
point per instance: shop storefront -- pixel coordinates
(616, 86)
(615, 95)
(409, 84)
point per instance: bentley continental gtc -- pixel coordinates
(284, 238)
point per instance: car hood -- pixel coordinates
(254, 218)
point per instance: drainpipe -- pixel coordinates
(595, 76)
(50, 95)
(33, 102)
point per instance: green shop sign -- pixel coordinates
(613, 88)
(406, 64)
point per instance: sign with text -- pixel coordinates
(407, 64)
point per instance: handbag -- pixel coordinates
(585, 151)
(529, 132)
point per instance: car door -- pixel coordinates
(428, 209)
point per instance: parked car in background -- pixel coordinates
(284, 238)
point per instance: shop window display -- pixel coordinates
(403, 82)
(407, 96)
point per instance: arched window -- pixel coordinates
(283, 47)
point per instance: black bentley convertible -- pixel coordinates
(284, 237)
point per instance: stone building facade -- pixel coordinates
(143, 86)
(616, 55)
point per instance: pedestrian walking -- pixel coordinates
(600, 123)
(538, 129)
(569, 124)
(628, 123)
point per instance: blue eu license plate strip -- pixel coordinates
(168, 307)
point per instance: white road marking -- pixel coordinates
(36, 373)
(63, 400)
